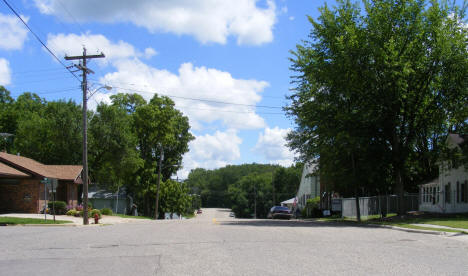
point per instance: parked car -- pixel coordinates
(231, 214)
(199, 211)
(279, 212)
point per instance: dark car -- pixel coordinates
(279, 212)
(199, 211)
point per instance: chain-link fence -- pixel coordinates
(376, 205)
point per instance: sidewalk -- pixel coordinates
(440, 227)
(75, 221)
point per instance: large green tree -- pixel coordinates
(376, 88)
(114, 158)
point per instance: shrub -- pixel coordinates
(60, 207)
(71, 212)
(106, 211)
(312, 208)
(93, 212)
(79, 213)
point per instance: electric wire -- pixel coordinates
(39, 39)
(198, 99)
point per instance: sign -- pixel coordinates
(336, 204)
(326, 213)
(51, 185)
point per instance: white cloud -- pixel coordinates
(207, 20)
(12, 32)
(211, 151)
(150, 52)
(272, 145)
(72, 44)
(134, 76)
(291, 18)
(194, 83)
(5, 74)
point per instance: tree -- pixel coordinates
(114, 159)
(252, 195)
(374, 87)
(50, 132)
(159, 128)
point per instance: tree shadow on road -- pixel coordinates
(293, 223)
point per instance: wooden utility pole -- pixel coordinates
(84, 85)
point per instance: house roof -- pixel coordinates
(289, 201)
(28, 165)
(6, 170)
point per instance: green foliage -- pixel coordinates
(94, 212)
(174, 197)
(251, 193)
(71, 212)
(106, 212)
(60, 207)
(213, 185)
(377, 90)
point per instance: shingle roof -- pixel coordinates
(62, 172)
(6, 170)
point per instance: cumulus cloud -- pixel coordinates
(5, 74)
(211, 151)
(271, 145)
(194, 83)
(206, 20)
(131, 75)
(72, 44)
(12, 32)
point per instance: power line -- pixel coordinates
(198, 99)
(37, 37)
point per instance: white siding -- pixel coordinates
(309, 186)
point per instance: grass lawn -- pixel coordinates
(454, 221)
(134, 217)
(14, 221)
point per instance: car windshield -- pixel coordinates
(281, 208)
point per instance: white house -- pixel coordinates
(309, 186)
(449, 192)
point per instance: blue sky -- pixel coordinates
(232, 51)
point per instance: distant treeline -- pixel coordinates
(240, 186)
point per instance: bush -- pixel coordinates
(71, 212)
(312, 208)
(93, 212)
(106, 211)
(60, 207)
(79, 213)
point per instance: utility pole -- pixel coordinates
(161, 157)
(84, 85)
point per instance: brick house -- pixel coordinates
(21, 189)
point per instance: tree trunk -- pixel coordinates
(397, 172)
(356, 189)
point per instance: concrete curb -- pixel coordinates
(421, 231)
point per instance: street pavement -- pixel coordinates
(215, 244)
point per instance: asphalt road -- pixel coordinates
(214, 244)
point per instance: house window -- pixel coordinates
(447, 193)
(458, 192)
(433, 195)
(438, 193)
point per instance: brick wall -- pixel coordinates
(20, 196)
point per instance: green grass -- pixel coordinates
(363, 219)
(14, 221)
(134, 217)
(189, 215)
